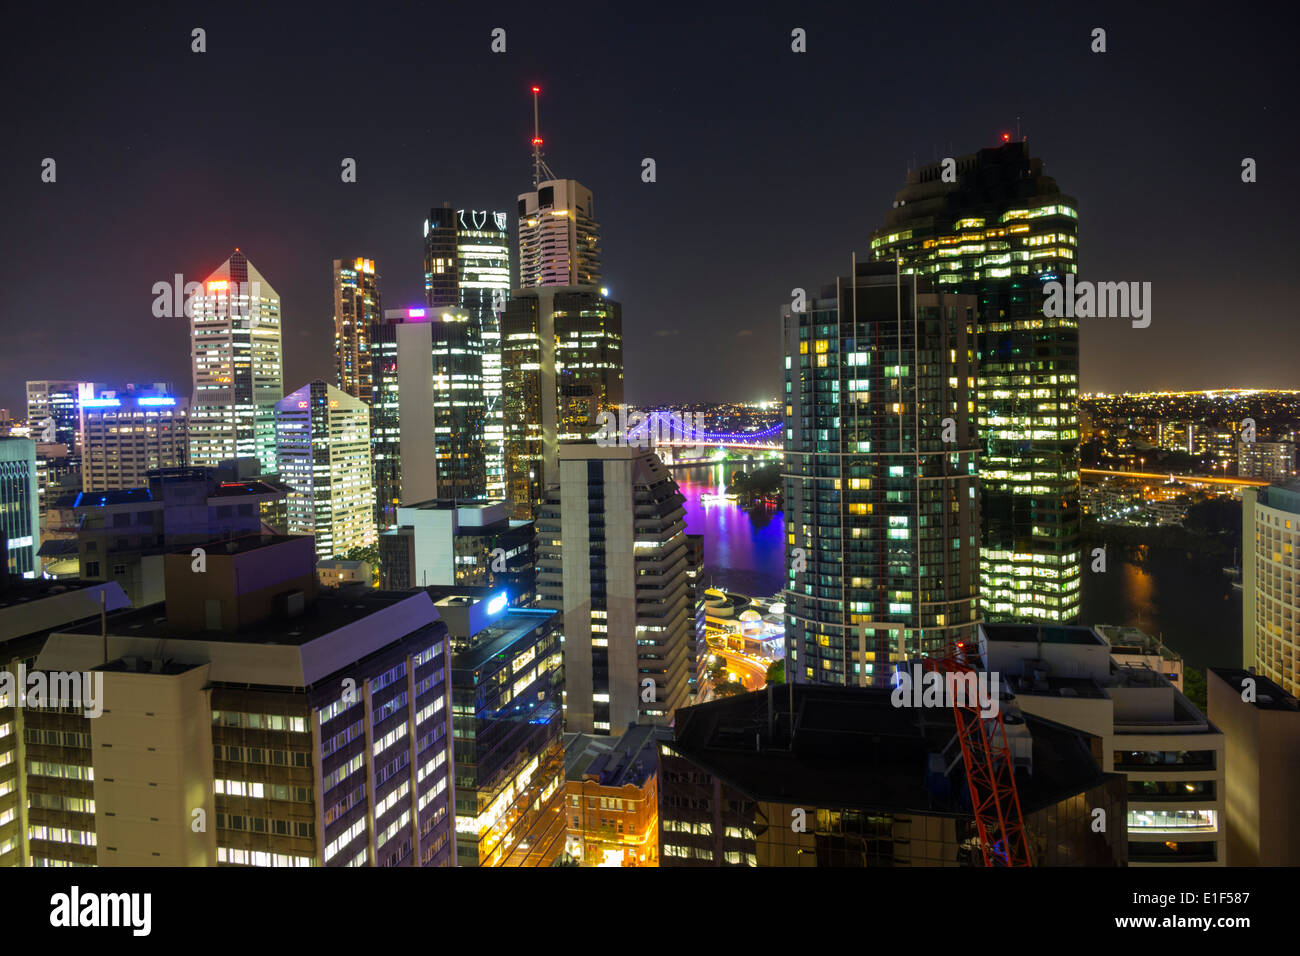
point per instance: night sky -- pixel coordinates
(772, 166)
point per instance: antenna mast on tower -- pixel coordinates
(539, 164)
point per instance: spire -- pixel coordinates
(539, 164)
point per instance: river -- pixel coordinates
(1184, 598)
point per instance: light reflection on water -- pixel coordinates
(1184, 598)
(743, 551)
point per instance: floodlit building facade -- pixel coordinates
(238, 366)
(612, 796)
(323, 453)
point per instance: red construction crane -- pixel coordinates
(990, 770)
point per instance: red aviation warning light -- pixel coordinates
(539, 165)
(1006, 137)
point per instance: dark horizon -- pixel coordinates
(769, 164)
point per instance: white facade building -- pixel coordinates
(323, 456)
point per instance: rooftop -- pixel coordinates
(332, 610)
(627, 760)
(1268, 695)
(106, 499)
(240, 489)
(1036, 633)
(514, 623)
(854, 749)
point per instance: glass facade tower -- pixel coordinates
(881, 499)
(1000, 231)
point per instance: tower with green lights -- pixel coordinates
(993, 225)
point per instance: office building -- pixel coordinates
(323, 453)
(122, 536)
(1000, 231)
(445, 543)
(356, 311)
(612, 796)
(1270, 580)
(238, 366)
(612, 556)
(29, 612)
(310, 729)
(430, 408)
(467, 270)
(20, 521)
(881, 498)
(559, 238)
(53, 412)
(821, 776)
(483, 267)
(1261, 733)
(1170, 753)
(507, 682)
(561, 366)
(126, 433)
(441, 272)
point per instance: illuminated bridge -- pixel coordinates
(668, 430)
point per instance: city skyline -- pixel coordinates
(935, 503)
(294, 216)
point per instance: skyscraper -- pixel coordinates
(467, 268)
(237, 364)
(128, 432)
(441, 272)
(323, 454)
(882, 514)
(1000, 230)
(559, 238)
(561, 365)
(483, 265)
(356, 310)
(1270, 579)
(430, 407)
(612, 556)
(19, 510)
